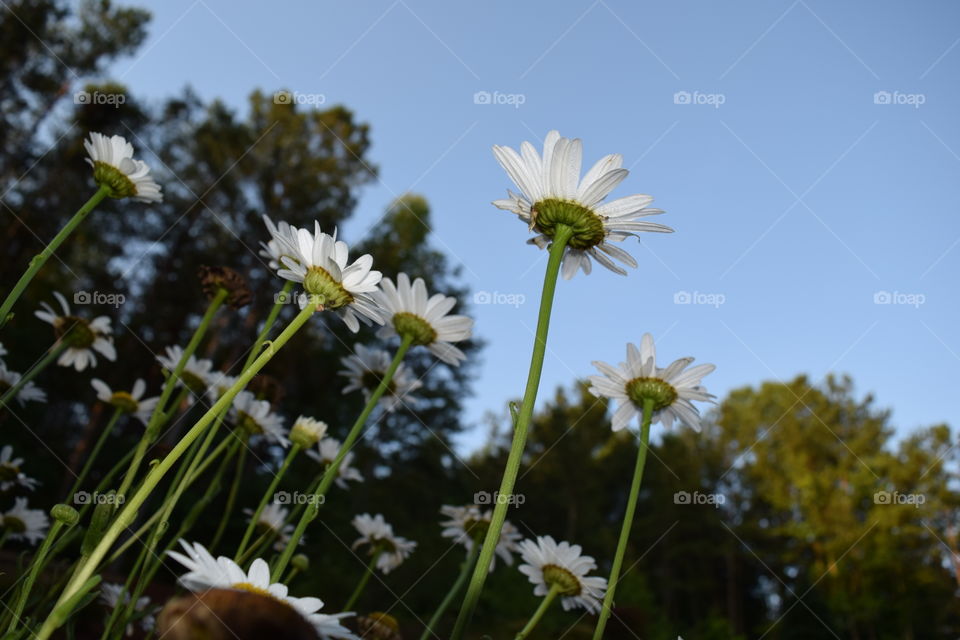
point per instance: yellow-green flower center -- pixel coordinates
(476, 529)
(124, 401)
(371, 380)
(76, 332)
(8, 472)
(193, 382)
(641, 389)
(248, 424)
(324, 290)
(117, 183)
(14, 524)
(408, 324)
(250, 588)
(587, 226)
(567, 584)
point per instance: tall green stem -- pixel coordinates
(627, 518)
(282, 299)
(27, 585)
(371, 567)
(454, 591)
(41, 259)
(104, 435)
(562, 235)
(231, 497)
(535, 618)
(294, 450)
(334, 467)
(50, 356)
(156, 419)
(81, 579)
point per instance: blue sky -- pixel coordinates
(807, 154)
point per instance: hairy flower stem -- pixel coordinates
(561, 236)
(156, 419)
(627, 518)
(371, 567)
(41, 259)
(535, 618)
(334, 467)
(34, 371)
(294, 450)
(81, 581)
(454, 591)
(104, 435)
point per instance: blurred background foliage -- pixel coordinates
(802, 545)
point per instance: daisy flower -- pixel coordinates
(548, 564)
(466, 525)
(375, 532)
(219, 383)
(10, 473)
(28, 393)
(129, 402)
(552, 193)
(115, 168)
(207, 572)
(273, 517)
(21, 523)
(283, 243)
(257, 418)
(325, 453)
(411, 312)
(82, 336)
(672, 389)
(114, 595)
(320, 264)
(307, 431)
(196, 374)
(364, 370)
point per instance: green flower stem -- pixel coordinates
(253, 551)
(159, 413)
(231, 497)
(41, 259)
(371, 567)
(294, 450)
(535, 618)
(562, 235)
(52, 354)
(454, 591)
(627, 518)
(27, 586)
(334, 467)
(104, 435)
(278, 305)
(82, 577)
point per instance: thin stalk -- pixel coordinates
(294, 450)
(83, 575)
(371, 567)
(32, 575)
(281, 299)
(231, 498)
(454, 591)
(334, 467)
(560, 239)
(627, 518)
(535, 618)
(52, 354)
(104, 435)
(256, 546)
(41, 259)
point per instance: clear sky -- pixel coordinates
(806, 152)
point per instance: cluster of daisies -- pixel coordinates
(20, 522)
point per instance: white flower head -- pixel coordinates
(115, 168)
(196, 374)
(410, 311)
(330, 283)
(366, 367)
(114, 595)
(552, 194)
(325, 453)
(207, 572)
(82, 336)
(307, 431)
(131, 402)
(11, 474)
(23, 523)
(283, 243)
(257, 418)
(547, 563)
(672, 390)
(28, 392)
(378, 534)
(468, 524)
